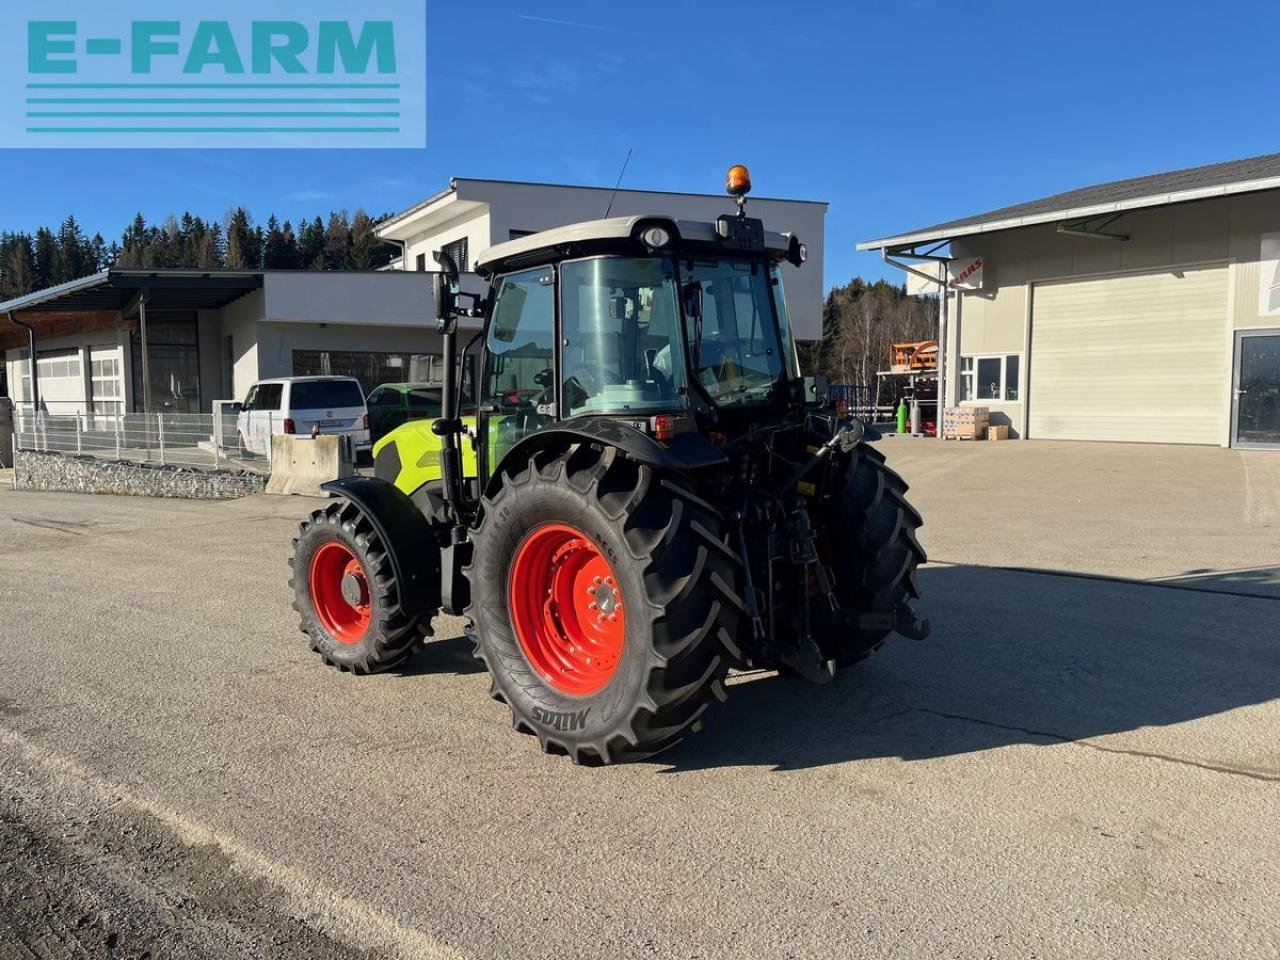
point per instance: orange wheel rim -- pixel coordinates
(567, 610)
(340, 592)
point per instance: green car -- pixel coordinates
(392, 404)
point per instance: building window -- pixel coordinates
(1011, 374)
(107, 381)
(422, 263)
(61, 380)
(373, 369)
(173, 363)
(59, 364)
(990, 378)
(458, 250)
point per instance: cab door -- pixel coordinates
(518, 388)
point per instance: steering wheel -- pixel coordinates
(661, 381)
(591, 377)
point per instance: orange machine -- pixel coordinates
(918, 355)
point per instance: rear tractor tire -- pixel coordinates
(605, 603)
(346, 593)
(873, 548)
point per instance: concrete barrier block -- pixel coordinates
(300, 464)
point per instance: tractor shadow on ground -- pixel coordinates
(448, 655)
(1251, 581)
(1015, 658)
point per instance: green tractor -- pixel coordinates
(648, 494)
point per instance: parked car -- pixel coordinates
(392, 404)
(300, 405)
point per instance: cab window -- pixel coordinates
(519, 376)
(622, 351)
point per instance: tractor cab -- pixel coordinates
(662, 324)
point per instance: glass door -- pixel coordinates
(1256, 408)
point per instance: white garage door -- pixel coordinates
(1136, 357)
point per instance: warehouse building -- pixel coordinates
(1140, 310)
(469, 216)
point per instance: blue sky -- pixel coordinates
(899, 114)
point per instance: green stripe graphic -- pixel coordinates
(311, 100)
(213, 86)
(173, 114)
(212, 129)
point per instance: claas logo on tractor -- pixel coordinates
(624, 518)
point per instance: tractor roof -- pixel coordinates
(575, 239)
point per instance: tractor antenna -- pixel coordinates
(621, 174)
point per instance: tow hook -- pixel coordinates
(902, 621)
(806, 660)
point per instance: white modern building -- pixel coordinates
(472, 215)
(1140, 310)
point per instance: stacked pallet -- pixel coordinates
(966, 423)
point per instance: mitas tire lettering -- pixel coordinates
(564, 722)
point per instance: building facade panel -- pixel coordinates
(1134, 357)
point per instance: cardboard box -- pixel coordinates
(1000, 432)
(965, 423)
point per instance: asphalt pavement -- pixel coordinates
(1080, 762)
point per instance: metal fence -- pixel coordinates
(860, 400)
(200, 440)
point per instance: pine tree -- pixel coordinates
(44, 254)
(133, 243)
(212, 251)
(71, 259)
(19, 266)
(290, 243)
(241, 242)
(311, 245)
(337, 241)
(277, 252)
(363, 243)
(98, 254)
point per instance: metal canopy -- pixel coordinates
(115, 289)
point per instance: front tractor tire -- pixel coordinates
(346, 593)
(604, 602)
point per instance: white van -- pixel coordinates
(299, 405)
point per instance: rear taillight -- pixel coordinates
(289, 426)
(663, 426)
(366, 421)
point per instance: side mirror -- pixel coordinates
(692, 295)
(444, 288)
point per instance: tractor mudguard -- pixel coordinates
(683, 452)
(402, 527)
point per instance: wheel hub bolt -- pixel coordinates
(352, 592)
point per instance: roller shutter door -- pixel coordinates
(1136, 357)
